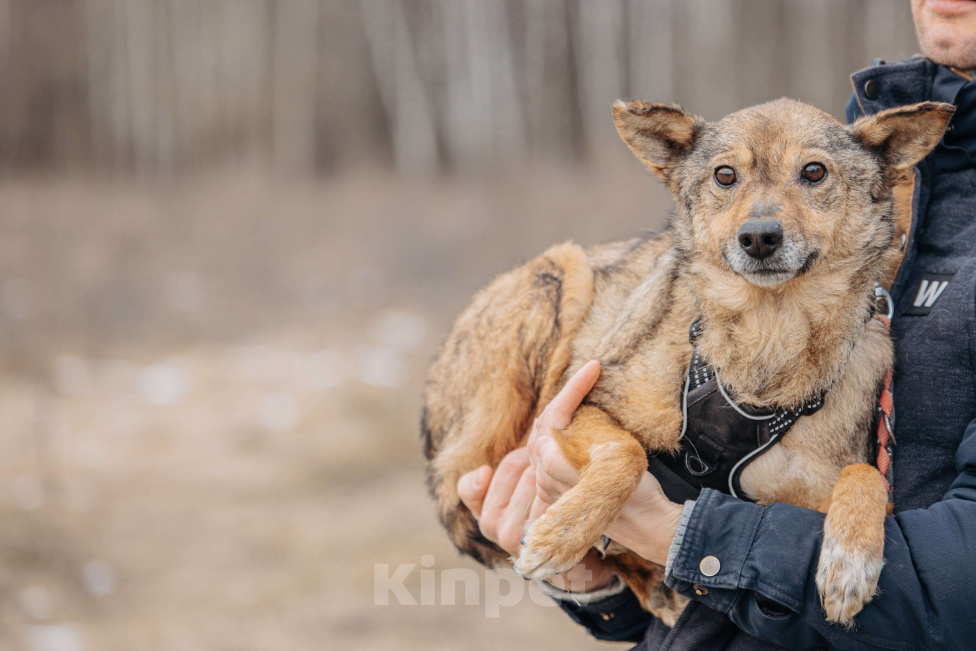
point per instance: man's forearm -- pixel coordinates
(773, 552)
(926, 588)
(648, 522)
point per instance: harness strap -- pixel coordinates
(716, 444)
(720, 436)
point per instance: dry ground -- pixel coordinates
(209, 400)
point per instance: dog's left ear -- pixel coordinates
(903, 136)
(660, 135)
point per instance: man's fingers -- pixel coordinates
(553, 467)
(559, 413)
(539, 506)
(503, 484)
(472, 488)
(510, 529)
(554, 475)
(521, 500)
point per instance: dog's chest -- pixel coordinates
(800, 470)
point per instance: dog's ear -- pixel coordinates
(903, 136)
(658, 134)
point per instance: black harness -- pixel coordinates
(720, 437)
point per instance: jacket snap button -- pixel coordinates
(709, 566)
(700, 590)
(872, 89)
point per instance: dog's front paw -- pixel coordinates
(847, 576)
(549, 547)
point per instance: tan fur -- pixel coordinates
(630, 304)
(902, 195)
(854, 530)
(505, 357)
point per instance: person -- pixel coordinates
(764, 594)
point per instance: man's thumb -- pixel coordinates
(472, 488)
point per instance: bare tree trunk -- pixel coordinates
(551, 101)
(391, 49)
(98, 81)
(508, 134)
(467, 115)
(164, 90)
(293, 107)
(705, 73)
(649, 41)
(890, 33)
(4, 39)
(140, 74)
(120, 120)
(600, 60)
(6, 109)
(762, 37)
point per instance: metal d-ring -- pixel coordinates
(883, 298)
(697, 473)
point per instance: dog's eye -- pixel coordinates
(725, 176)
(814, 172)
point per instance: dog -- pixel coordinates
(783, 227)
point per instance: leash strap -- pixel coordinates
(886, 409)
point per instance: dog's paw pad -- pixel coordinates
(847, 578)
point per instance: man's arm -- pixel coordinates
(925, 594)
(768, 562)
(503, 499)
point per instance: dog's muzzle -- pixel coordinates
(770, 261)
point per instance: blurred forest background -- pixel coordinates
(232, 235)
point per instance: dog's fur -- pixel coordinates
(779, 332)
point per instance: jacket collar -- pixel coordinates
(888, 85)
(885, 86)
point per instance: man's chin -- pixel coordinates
(947, 33)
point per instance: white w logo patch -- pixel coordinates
(929, 291)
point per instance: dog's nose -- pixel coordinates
(761, 237)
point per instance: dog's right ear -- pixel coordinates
(904, 135)
(659, 134)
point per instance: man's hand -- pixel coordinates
(505, 499)
(530, 479)
(648, 521)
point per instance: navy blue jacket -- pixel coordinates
(927, 591)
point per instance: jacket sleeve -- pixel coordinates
(926, 590)
(615, 618)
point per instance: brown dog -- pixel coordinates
(783, 225)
